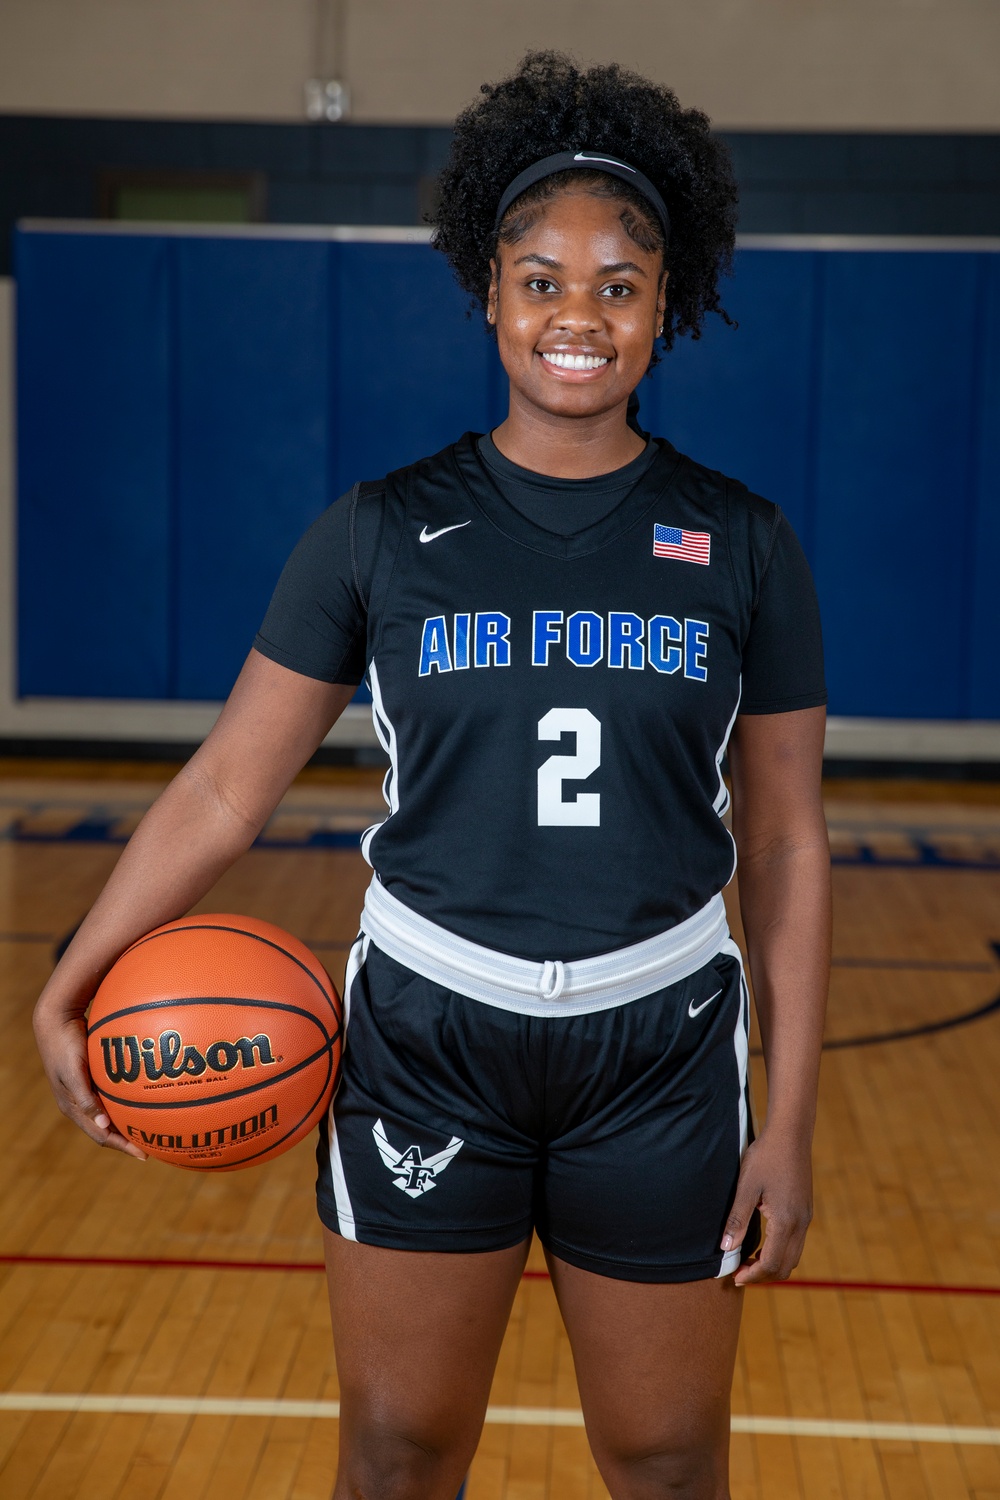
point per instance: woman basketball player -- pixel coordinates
(563, 625)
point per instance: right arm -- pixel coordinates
(206, 818)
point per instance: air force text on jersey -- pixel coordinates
(584, 638)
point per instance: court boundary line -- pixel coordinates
(519, 1416)
(316, 1267)
(98, 823)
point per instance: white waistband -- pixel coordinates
(551, 988)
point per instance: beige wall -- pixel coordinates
(853, 64)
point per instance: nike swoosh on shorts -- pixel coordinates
(694, 1010)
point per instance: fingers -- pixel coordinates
(62, 1045)
(78, 1102)
(781, 1251)
(774, 1178)
(747, 1200)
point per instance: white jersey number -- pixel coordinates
(584, 811)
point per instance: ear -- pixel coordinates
(661, 297)
(494, 291)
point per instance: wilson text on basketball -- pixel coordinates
(171, 1057)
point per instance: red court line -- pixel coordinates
(941, 1289)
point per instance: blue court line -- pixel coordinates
(917, 965)
(97, 827)
(929, 859)
(92, 830)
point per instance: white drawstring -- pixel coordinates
(550, 986)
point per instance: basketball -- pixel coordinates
(214, 1042)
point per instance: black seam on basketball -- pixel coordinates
(242, 931)
(209, 1099)
(148, 1005)
(244, 1161)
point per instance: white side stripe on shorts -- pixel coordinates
(741, 1041)
(342, 1198)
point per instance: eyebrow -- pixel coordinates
(555, 265)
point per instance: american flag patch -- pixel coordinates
(688, 546)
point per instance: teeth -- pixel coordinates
(575, 361)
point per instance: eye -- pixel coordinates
(617, 291)
(541, 284)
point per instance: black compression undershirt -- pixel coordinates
(564, 506)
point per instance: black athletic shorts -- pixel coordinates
(616, 1135)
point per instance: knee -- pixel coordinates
(377, 1463)
(674, 1471)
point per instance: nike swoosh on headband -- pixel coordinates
(612, 161)
(428, 536)
(562, 161)
(694, 1010)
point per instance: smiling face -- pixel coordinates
(577, 305)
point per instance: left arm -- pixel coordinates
(784, 865)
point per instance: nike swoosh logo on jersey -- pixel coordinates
(428, 536)
(694, 1010)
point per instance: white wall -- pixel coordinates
(811, 64)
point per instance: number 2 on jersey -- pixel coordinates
(584, 810)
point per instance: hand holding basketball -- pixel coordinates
(61, 1039)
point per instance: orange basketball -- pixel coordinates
(214, 1042)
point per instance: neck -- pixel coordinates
(567, 447)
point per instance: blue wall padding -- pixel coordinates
(95, 466)
(410, 371)
(188, 404)
(983, 539)
(894, 474)
(252, 445)
(741, 401)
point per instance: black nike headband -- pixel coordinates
(593, 161)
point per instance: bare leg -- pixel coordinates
(417, 1335)
(655, 1370)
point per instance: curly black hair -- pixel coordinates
(552, 105)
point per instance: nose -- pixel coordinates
(578, 312)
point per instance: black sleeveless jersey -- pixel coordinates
(555, 708)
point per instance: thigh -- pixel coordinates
(417, 1335)
(654, 1365)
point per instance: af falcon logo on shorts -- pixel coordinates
(416, 1175)
(686, 546)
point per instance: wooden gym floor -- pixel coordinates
(164, 1336)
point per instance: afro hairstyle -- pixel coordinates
(549, 105)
